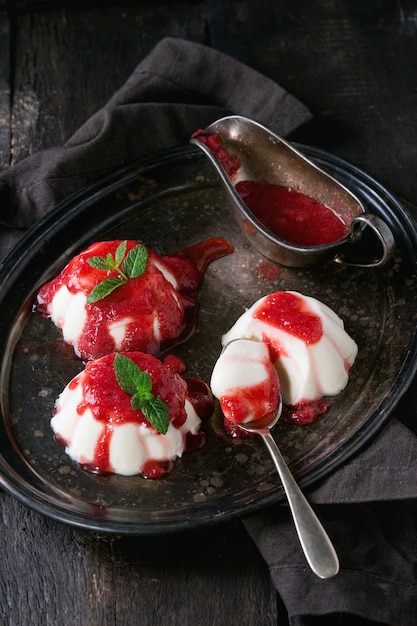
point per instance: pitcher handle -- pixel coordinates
(380, 231)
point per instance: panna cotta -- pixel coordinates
(130, 414)
(122, 296)
(307, 343)
(245, 382)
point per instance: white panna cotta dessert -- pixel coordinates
(308, 345)
(245, 381)
(120, 296)
(129, 414)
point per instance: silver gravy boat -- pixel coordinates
(262, 155)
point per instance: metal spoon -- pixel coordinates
(317, 547)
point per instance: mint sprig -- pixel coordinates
(138, 384)
(131, 266)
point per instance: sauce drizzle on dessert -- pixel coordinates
(100, 430)
(149, 313)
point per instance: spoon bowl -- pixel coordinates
(241, 149)
(317, 547)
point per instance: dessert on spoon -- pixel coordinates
(247, 386)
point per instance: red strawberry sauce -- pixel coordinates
(289, 313)
(285, 211)
(291, 215)
(230, 162)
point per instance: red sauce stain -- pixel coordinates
(268, 270)
(233, 429)
(194, 442)
(299, 414)
(200, 256)
(175, 363)
(156, 469)
(200, 396)
(305, 412)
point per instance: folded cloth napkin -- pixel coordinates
(180, 87)
(372, 522)
(369, 505)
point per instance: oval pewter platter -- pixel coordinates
(170, 201)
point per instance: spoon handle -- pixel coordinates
(317, 547)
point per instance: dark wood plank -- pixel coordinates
(69, 61)
(52, 574)
(5, 93)
(352, 63)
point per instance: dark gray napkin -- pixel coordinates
(180, 87)
(369, 509)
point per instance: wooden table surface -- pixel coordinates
(353, 64)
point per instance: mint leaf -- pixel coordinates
(99, 263)
(135, 263)
(138, 384)
(103, 289)
(156, 412)
(127, 374)
(120, 253)
(133, 266)
(144, 385)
